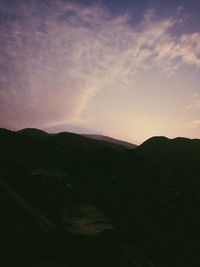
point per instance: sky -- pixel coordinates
(127, 69)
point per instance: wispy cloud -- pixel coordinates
(185, 49)
(56, 57)
(194, 103)
(193, 124)
(193, 109)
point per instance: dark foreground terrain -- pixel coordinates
(67, 200)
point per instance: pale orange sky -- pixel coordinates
(125, 74)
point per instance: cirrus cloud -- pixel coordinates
(193, 124)
(194, 109)
(54, 58)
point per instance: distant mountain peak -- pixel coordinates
(163, 139)
(33, 132)
(111, 140)
(180, 150)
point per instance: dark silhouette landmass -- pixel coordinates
(111, 140)
(68, 200)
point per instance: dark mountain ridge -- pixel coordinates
(111, 140)
(71, 202)
(72, 139)
(33, 132)
(181, 154)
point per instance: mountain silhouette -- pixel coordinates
(111, 140)
(33, 132)
(67, 200)
(180, 154)
(75, 140)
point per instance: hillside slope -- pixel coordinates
(72, 206)
(111, 140)
(72, 139)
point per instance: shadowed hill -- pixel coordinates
(181, 154)
(111, 140)
(72, 140)
(33, 132)
(76, 140)
(163, 147)
(68, 203)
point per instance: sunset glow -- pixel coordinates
(117, 68)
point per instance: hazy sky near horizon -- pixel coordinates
(128, 69)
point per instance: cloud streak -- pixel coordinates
(54, 58)
(194, 109)
(193, 124)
